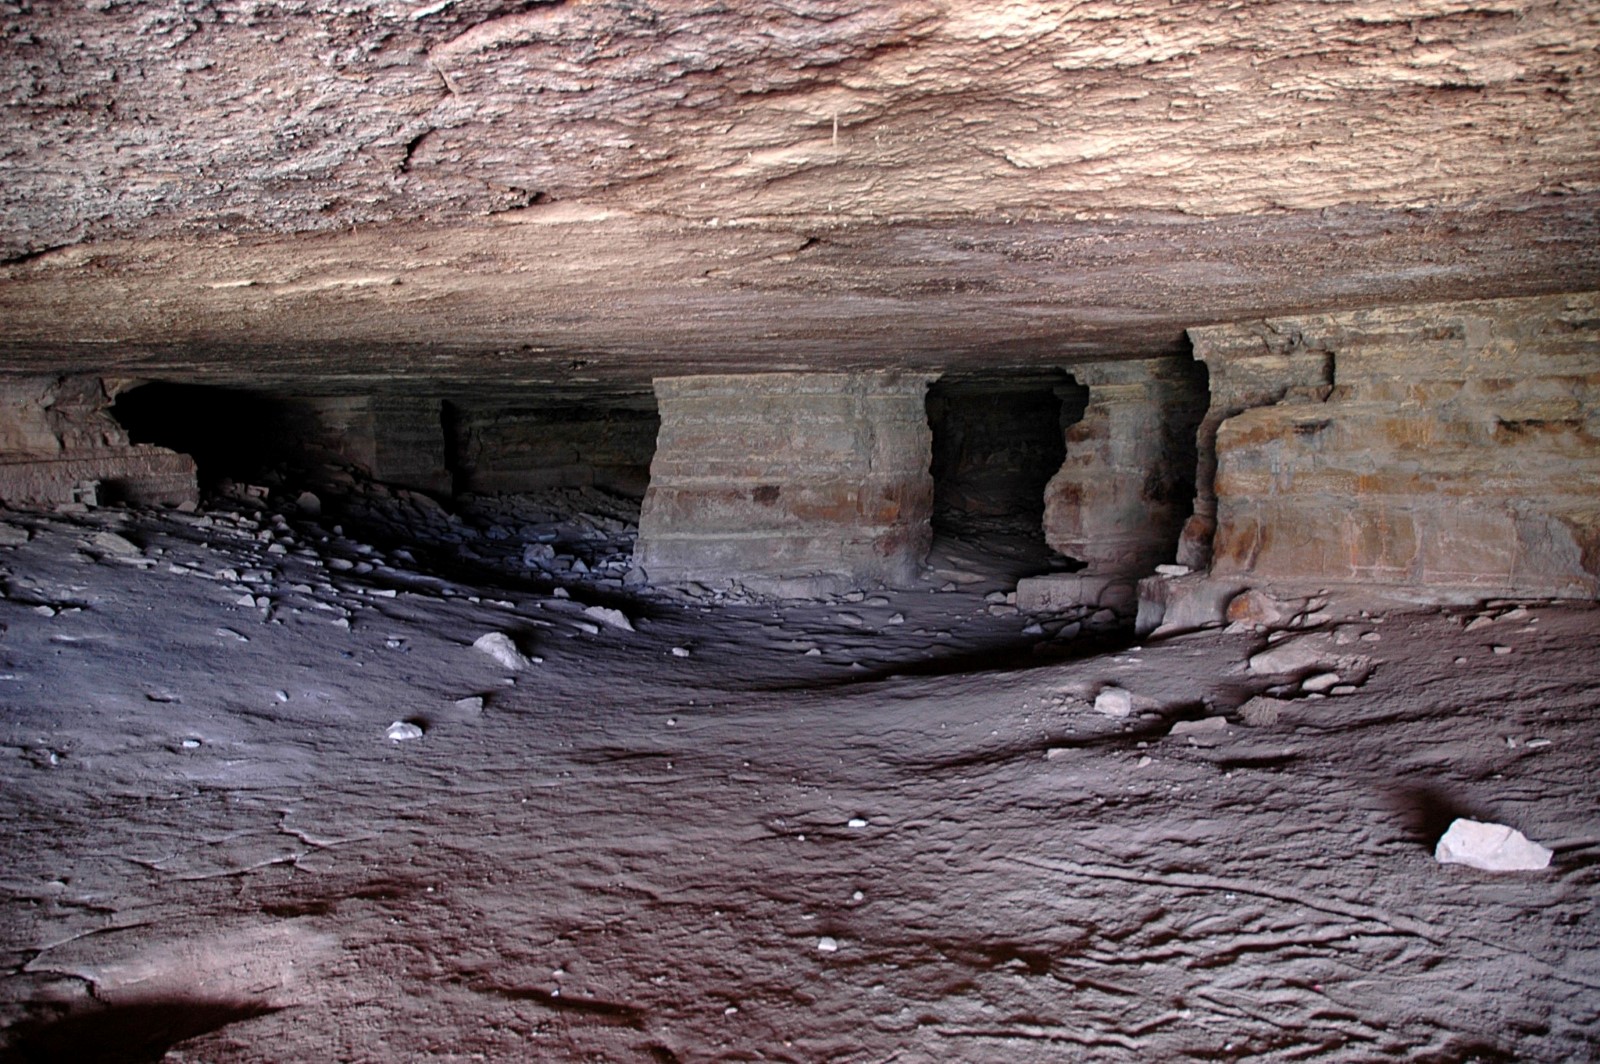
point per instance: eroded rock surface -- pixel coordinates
(557, 191)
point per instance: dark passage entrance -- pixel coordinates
(996, 442)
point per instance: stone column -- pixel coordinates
(1249, 366)
(1458, 451)
(1123, 491)
(1120, 499)
(793, 484)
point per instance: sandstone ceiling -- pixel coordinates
(392, 190)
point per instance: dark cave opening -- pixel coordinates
(997, 441)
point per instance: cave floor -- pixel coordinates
(212, 850)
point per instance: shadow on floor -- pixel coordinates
(135, 1032)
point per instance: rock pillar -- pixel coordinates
(1248, 367)
(1458, 449)
(59, 444)
(1124, 490)
(792, 484)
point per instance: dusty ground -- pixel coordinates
(631, 854)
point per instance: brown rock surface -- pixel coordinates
(1457, 447)
(575, 190)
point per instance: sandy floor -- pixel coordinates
(700, 840)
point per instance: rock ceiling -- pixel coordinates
(390, 190)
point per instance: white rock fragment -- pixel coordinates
(585, 626)
(471, 704)
(499, 646)
(12, 536)
(1113, 702)
(680, 652)
(402, 730)
(1490, 847)
(827, 944)
(1173, 570)
(857, 822)
(607, 615)
(112, 543)
(1203, 727)
(1322, 681)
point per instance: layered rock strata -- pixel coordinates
(791, 484)
(58, 444)
(1447, 446)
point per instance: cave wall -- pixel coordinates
(789, 483)
(59, 444)
(525, 446)
(1446, 446)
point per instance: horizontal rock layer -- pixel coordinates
(1457, 446)
(790, 483)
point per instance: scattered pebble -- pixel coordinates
(1320, 682)
(191, 744)
(499, 646)
(827, 944)
(112, 543)
(585, 626)
(1113, 702)
(1502, 651)
(680, 652)
(857, 822)
(402, 730)
(606, 615)
(12, 536)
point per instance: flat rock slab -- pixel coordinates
(1490, 847)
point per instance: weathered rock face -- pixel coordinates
(506, 190)
(1453, 446)
(396, 439)
(59, 445)
(524, 446)
(1124, 490)
(793, 484)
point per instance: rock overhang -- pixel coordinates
(595, 194)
